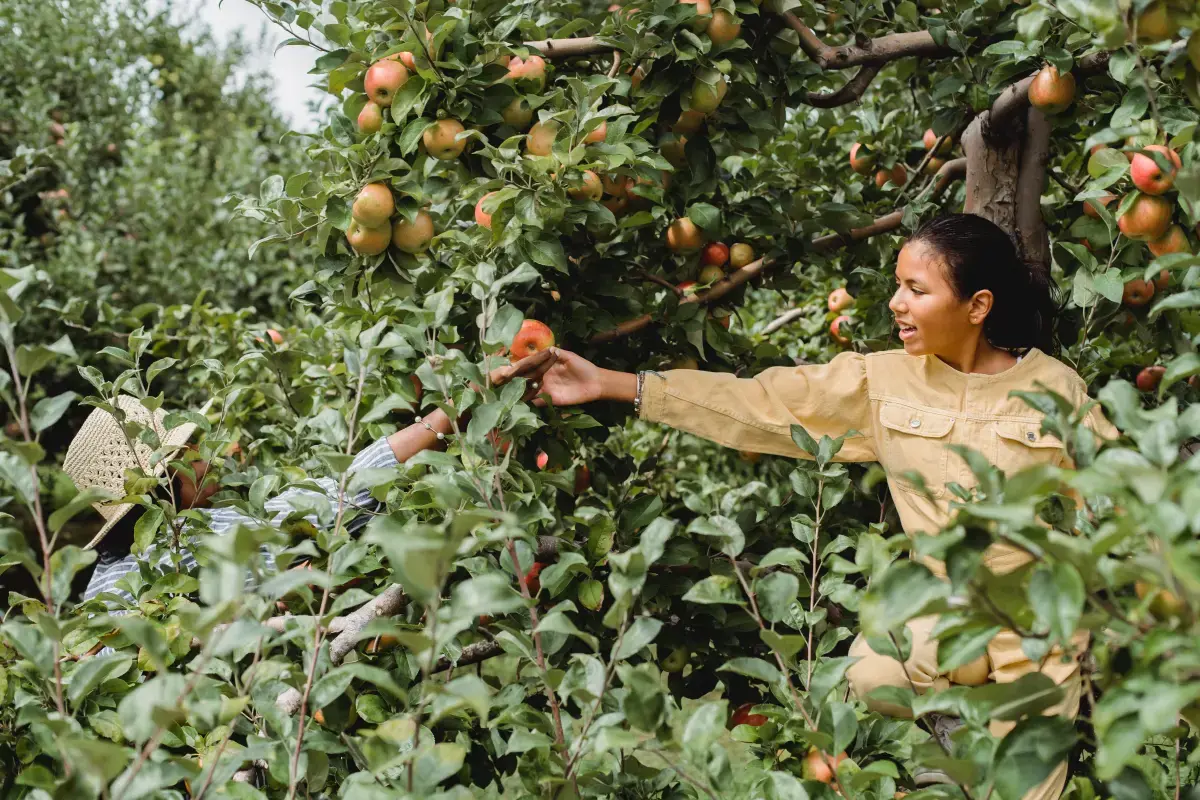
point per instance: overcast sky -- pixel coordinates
(289, 66)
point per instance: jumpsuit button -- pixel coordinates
(1031, 436)
(914, 423)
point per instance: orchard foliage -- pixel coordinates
(638, 613)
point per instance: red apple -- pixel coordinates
(441, 139)
(835, 329)
(370, 119)
(543, 460)
(930, 139)
(1089, 206)
(1147, 219)
(687, 287)
(276, 337)
(532, 581)
(1137, 293)
(740, 255)
(367, 240)
(373, 205)
(1174, 241)
(715, 255)
(532, 69)
(683, 236)
(583, 478)
(1150, 377)
(840, 300)
(1148, 176)
(1162, 281)
(820, 767)
(534, 337)
(482, 217)
(383, 80)
(743, 716)
(1051, 92)
(864, 163)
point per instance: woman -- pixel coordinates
(976, 325)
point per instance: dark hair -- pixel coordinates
(980, 255)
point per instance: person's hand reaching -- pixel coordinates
(572, 380)
(532, 368)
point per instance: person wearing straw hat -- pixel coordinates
(101, 454)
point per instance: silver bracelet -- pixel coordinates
(429, 428)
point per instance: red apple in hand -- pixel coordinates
(534, 337)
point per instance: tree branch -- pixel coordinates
(876, 52)
(850, 92)
(1032, 239)
(569, 48)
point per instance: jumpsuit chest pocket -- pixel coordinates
(914, 440)
(1021, 444)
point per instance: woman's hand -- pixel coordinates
(532, 368)
(573, 380)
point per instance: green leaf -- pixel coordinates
(1029, 753)
(1028, 695)
(640, 634)
(776, 593)
(725, 531)
(716, 589)
(1056, 594)
(49, 410)
(753, 668)
(93, 671)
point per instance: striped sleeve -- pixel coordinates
(110, 569)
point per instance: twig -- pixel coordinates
(783, 319)
(663, 282)
(616, 65)
(319, 634)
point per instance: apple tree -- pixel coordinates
(569, 602)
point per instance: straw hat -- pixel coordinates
(99, 455)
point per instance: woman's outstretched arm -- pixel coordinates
(754, 414)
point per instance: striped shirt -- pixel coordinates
(112, 567)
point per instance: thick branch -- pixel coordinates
(471, 654)
(875, 52)
(1032, 239)
(849, 93)
(569, 48)
(992, 169)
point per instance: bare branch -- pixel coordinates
(850, 92)
(471, 654)
(876, 52)
(569, 48)
(785, 318)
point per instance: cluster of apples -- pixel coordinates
(1149, 216)
(371, 228)
(864, 159)
(685, 236)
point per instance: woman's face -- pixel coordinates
(932, 318)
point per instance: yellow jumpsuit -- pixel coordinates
(905, 410)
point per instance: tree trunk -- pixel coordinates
(992, 170)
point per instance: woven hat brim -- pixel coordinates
(176, 438)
